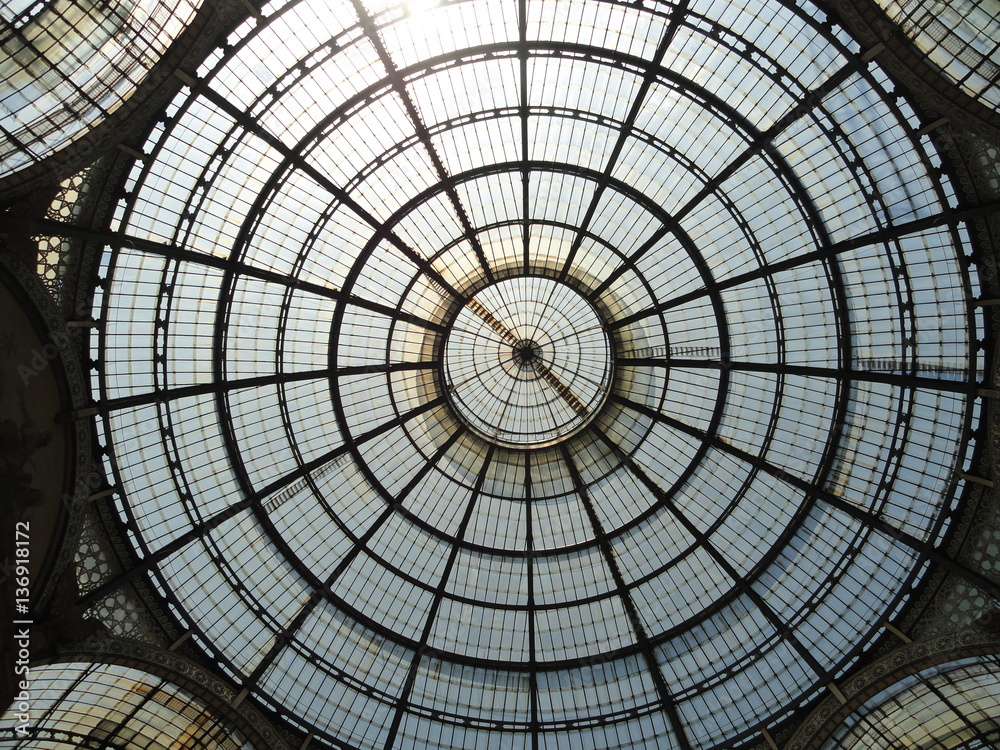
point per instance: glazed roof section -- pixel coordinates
(778, 264)
(66, 65)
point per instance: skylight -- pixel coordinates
(541, 373)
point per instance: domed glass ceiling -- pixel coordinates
(960, 36)
(67, 64)
(79, 705)
(954, 706)
(537, 374)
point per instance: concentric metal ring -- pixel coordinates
(527, 362)
(399, 526)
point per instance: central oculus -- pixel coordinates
(527, 362)
(527, 353)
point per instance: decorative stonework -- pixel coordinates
(974, 160)
(957, 605)
(53, 261)
(987, 158)
(56, 255)
(982, 552)
(923, 601)
(132, 609)
(92, 562)
(72, 191)
(123, 612)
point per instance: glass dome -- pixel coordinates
(954, 706)
(67, 64)
(962, 37)
(540, 373)
(81, 705)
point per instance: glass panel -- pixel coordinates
(532, 394)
